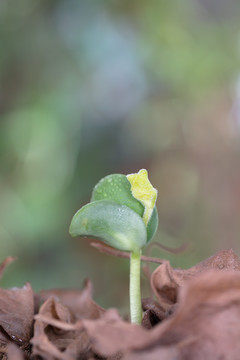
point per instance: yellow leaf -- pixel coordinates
(143, 191)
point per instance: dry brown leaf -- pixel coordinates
(79, 302)
(111, 335)
(16, 313)
(49, 341)
(70, 325)
(153, 313)
(165, 280)
(13, 352)
(58, 332)
(162, 353)
(206, 324)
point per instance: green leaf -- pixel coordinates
(152, 225)
(116, 225)
(116, 187)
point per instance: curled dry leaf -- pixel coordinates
(110, 335)
(16, 313)
(70, 325)
(79, 302)
(50, 341)
(205, 326)
(165, 280)
(58, 332)
(13, 352)
(106, 337)
(155, 354)
(153, 313)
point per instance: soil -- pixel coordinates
(195, 315)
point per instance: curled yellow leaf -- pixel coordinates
(143, 191)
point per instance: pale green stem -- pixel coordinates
(135, 288)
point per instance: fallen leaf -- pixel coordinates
(16, 313)
(155, 354)
(58, 332)
(79, 302)
(165, 280)
(49, 341)
(153, 313)
(111, 335)
(13, 352)
(205, 325)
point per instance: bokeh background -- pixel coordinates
(93, 87)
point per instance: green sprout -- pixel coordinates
(122, 213)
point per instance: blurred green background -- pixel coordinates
(93, 87)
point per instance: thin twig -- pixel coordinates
(5, 263)
(177, 250)
(110, 251)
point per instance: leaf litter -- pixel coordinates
(195, 315)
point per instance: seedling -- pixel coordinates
(122, 213)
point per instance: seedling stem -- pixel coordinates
(135, 288)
